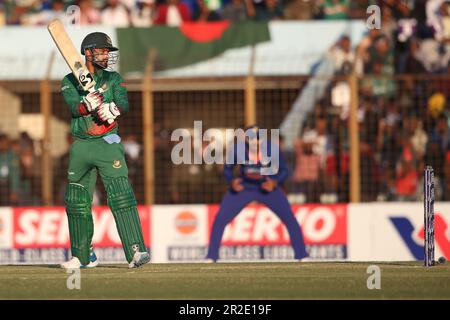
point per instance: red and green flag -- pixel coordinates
(190, 43)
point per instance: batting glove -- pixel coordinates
(108, 111)
(93, 100)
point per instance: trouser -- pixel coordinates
(87, 157)
(233, 203)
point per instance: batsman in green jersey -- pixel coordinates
(98, 149)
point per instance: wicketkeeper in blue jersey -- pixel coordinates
(262, 171)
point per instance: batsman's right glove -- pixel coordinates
(93, 100)
(108, 112)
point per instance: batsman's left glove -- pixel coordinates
(108, 111)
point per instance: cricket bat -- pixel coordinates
(72, 56)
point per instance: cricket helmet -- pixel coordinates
(97, 40)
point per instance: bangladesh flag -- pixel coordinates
(181, 46)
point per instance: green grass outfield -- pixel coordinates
(289, 280)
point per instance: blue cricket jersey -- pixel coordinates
(251, 173)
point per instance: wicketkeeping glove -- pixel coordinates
(93, 100)
(108, 111)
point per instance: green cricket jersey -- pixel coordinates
(83, 125)
(336, 10)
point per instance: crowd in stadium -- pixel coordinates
(142, 13)
(403, 115)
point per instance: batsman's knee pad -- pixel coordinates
(122, 202)
(79, 216)
(120, 194)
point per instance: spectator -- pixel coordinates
(238, 10)
(16, 11)
(20, 148)
(407, 98)
(392, 116)
(369, 168)
(173, 14)
(389, 25)
(370, 117)
(300, 9)
(406, 172)
(272, 10)
(307, 173)
(212, 5)
(362, 52)
(433, 55)
(389, 148)
(130, 4)
(398, 8)
(311, 156)
(115, 14)
(44, 17)
(318, 138)
(143, 13)
(417, 136)
(9, 173)
(441, 132)
(89, 13)
(358, 8)
(436, 105)
(381, 53)
(336, 9)
(204, 13)
(30, 169)
(435, 10)
(408, 62)
(442, 33)
(419, 13)
(342, 55)
(378, 85)
(337, 165)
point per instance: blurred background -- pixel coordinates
(361, 111)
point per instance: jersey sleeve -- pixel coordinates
(72, 98)
(120, 94)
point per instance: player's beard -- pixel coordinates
(106, 64)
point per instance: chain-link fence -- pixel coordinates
(403, 125)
